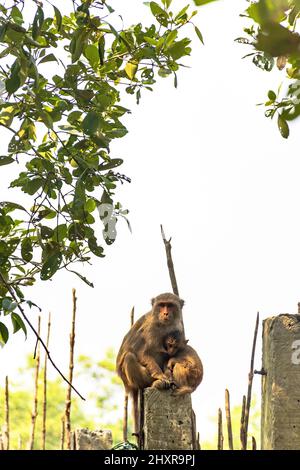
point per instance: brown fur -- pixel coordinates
(184, 366)
(141, 357)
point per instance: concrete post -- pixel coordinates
(280, 424)
(167, 421)
(84, 439)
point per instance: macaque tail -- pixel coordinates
(135, 410)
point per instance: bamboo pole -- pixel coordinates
(228, 419)
(6, 411)
(36, 386)
(44, 423)
(71, 368)
(220, 430)
(125, 417)
(250, 380)
(242, 437)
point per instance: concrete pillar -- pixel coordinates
(84, 439)
(168, 422)
(280, 425)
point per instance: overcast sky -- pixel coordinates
(207, 164)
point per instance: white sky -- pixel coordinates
(207, 164)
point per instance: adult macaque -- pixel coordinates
(184, 366)
(141, 357)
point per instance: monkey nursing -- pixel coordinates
(154, 352)
(184, 367)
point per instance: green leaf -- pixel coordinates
(166, 3)
(94, 247)
(113, 163)
(14, 81)
(92, 55)
(131, 69)
(18, 323)
(11, 206)
(277, 40)
(264, 62)
(48, 58)
(199, 34)
(58, 18)
(271, 95)
(91, 123)
(51, 265)
(90, 205)
(46, 232)
(5, 160)
(26, 249)
(60, 233)
(101, 49)
(283, 127)
(181, 13)
(3, 333)
(171, 38)
(202, 2)
(37, 23)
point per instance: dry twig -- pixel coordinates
(36, 386)
(228, 419)
(71, 368)
(45, 389)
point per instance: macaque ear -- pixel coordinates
(186, 341)
(181, 303)
(152, 301)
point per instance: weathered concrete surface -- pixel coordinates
(280, 424)
(84, 439)
(167, 421)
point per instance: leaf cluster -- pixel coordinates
(274, 37)
(62, 78)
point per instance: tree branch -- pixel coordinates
(9, 288)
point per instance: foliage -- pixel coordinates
(61, 76)
(102, 376)
(273, 35)
(99, 411)
(21, 401)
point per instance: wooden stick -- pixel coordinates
(62, 434)
(168, 248)
(220, 430)
(36, 386)
(11, 291)
(45, 388)
(228, 419)
(250, 380)
(253, 443)
(71, 368)
(1, 442)
(125, 417)
(198, 441)
(242, 436)
(132, 317)
(6, 411)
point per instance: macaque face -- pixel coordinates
(166, 312)
(171, 346)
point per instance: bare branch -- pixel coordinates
(36, 386)
(9, 288)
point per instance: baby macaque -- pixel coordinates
(184, 367)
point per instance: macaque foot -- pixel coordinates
(161, 384)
